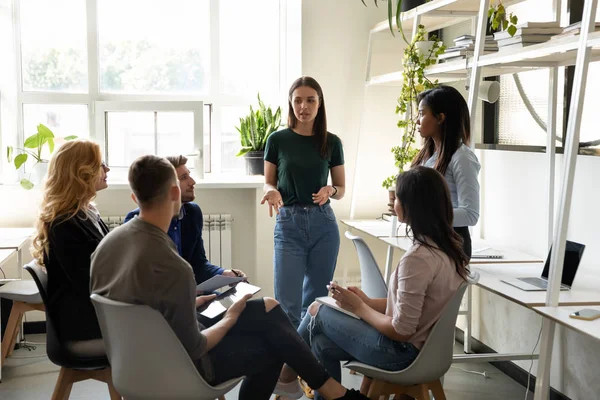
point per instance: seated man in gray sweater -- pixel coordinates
(138, 263)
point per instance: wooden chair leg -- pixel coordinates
(364, 386)
(423, 392)
(375, 389)
(437, 390)
(12, 329)
(221, 398)
(13, 343)
(64, 384)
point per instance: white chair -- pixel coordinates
(425, 372)
(25, 297)
(148, 361)
(372, 282)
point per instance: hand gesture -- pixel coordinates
(273, 197)
(202, 300)
(359, 293)
(234, 273)
(236, 308)
(345, 298)
(322, 195)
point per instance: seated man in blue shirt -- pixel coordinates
(186, 228)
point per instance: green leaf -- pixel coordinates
(20, 160)
(504, 24)
(51, 144)
(72, 137)
(243, 151)
(513, 19)
(390, 16)
(33, 141)
(512, 30)
(26, 184)
(363, 1)
(9, 153)
(44, 131)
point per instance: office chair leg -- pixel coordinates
(221, 398)
(64, 384)
(375, 389)
(364, 386)
(12, 329)
(437, 390)
(424, 392)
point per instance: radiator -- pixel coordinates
(216, 233)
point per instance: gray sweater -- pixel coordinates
(138, 263)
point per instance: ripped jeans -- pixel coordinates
(334, 337)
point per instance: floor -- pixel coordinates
(29, 375)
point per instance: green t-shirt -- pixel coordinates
(301, 171)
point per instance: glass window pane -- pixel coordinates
(62, 119)
(230, 138)
(207, 121)
(165, 48)
(249, 48)
(53, 45)
(175, 133)
(129, 135)
(516, 125)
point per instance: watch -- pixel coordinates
(334, 193)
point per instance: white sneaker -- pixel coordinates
(291, 390)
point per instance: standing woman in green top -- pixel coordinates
(297, 165)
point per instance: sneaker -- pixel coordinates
(290, 390)
(308, 392)
(353, 394)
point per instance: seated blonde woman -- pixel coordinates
(69, 229)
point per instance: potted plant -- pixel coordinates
(499, 21)
(33, 147)
(254, 131)
(416, 59)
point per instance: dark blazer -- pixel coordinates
(192, 244)
(71, 243)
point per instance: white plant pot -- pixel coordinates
(39, 172)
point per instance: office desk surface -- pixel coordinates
(14, 238)
(561, 316)
(374, 227)
(509, 256)
(584, 291)
(5, 254)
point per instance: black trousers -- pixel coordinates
(257, 347)
(464, 232)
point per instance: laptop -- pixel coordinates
(573, 254)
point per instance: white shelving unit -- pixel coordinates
(576, 51)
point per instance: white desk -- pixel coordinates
(561, 316)
(378, 228)
(5, 255)
(16, 239)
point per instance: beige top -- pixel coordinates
(138, 263)
(419, 289)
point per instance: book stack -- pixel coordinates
(572, 30)
(465, 45)
(527, 34)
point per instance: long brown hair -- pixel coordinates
(73, 172)
(427, 209)
(456, 127)
(320, 124)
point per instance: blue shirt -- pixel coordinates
(461, 177)
(175, 231)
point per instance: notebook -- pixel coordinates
(330, 302)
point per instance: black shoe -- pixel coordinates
(353, 394)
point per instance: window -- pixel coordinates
(163, 77)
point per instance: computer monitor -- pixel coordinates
(573, 254)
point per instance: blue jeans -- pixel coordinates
(334, 337)
(307, 242)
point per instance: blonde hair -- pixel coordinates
(73, 172)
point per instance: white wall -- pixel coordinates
(515, 215)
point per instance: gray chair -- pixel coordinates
(148, 360)
(372, 282)
(25, 297)
(76, 365)
(425, 372)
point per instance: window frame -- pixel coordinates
(289, 14)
